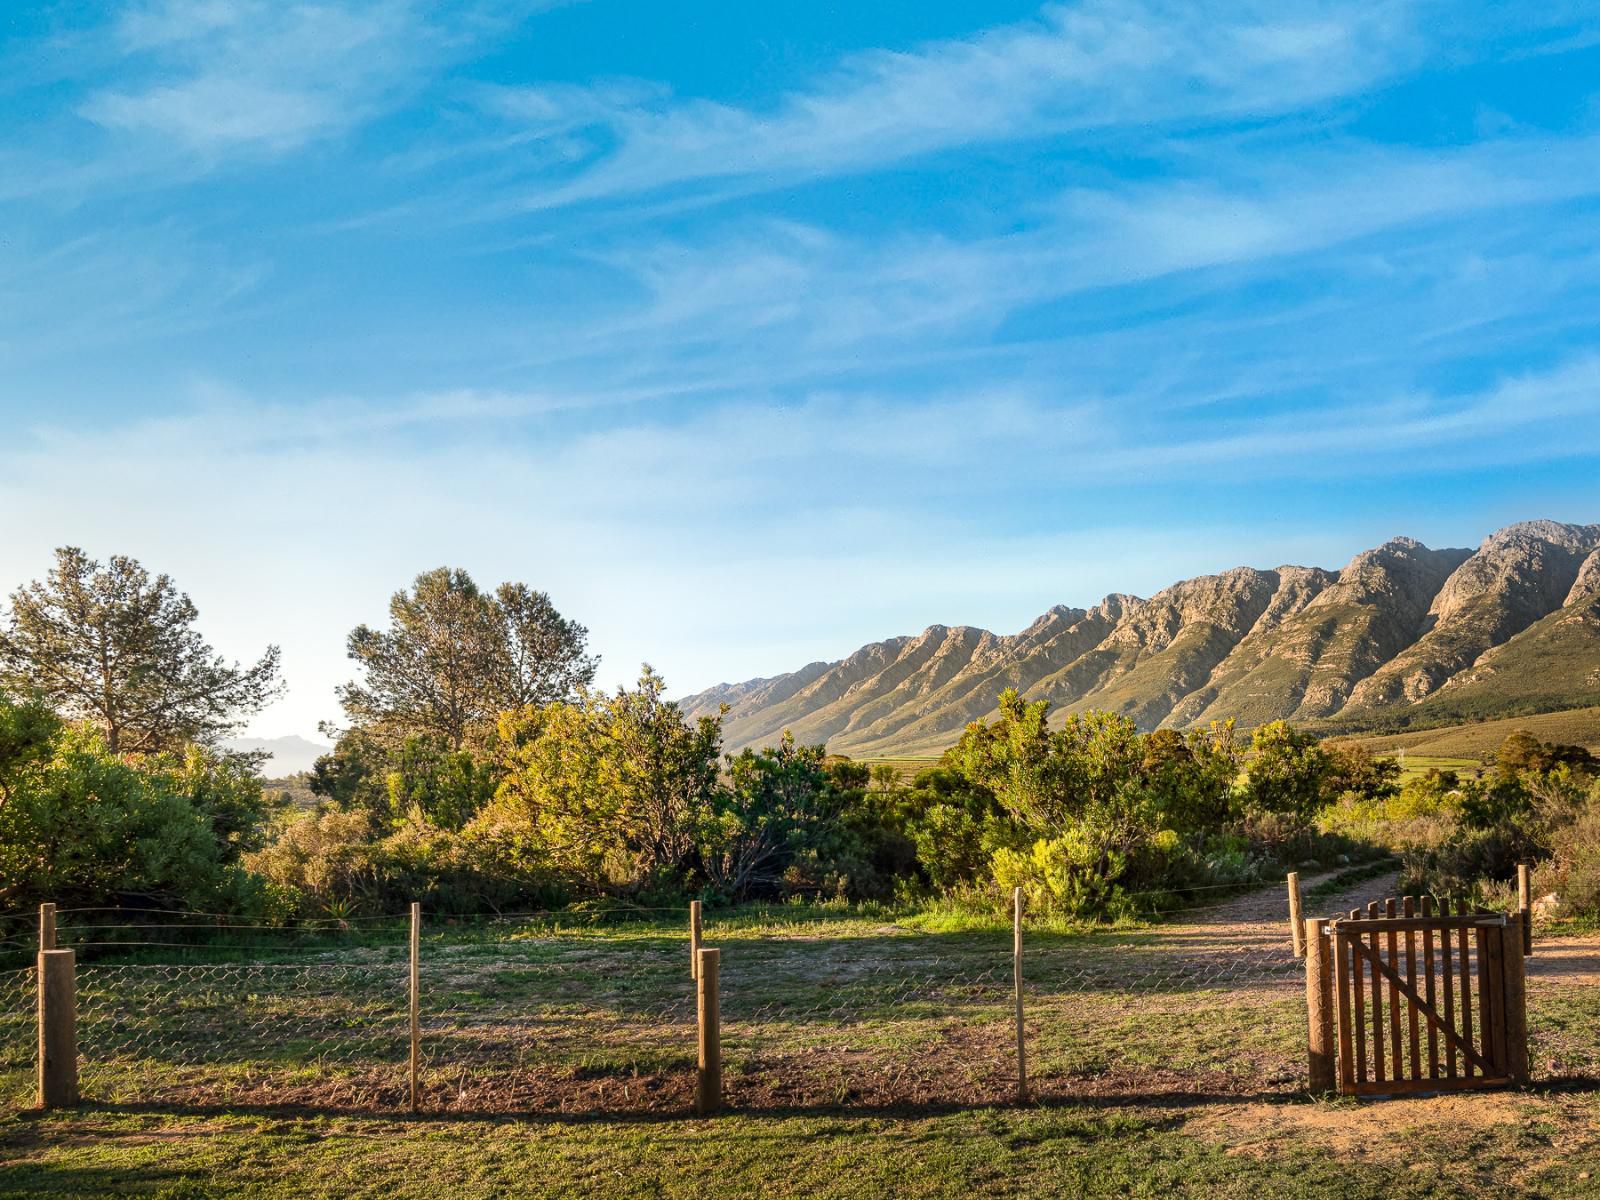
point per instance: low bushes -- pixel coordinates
(1464, 836)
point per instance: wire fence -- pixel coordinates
(1564, 1010)
(546, 1014)
(234, 1033)
(19, 1037)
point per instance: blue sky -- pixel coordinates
(753, 332)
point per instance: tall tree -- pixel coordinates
(454, 657)
(116, 646)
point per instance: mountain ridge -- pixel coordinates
(1402, 633)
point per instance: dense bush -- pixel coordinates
(80, 825)
(1099, 819)
(618, 795)
(1465, 836)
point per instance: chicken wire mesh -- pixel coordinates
(321, 1032)
(1564, 1010)
(19, 1037)
(818, 1023)
(551, 1023)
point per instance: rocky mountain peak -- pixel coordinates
(1399, 625)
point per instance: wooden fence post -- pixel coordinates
(58, 1029)
(1515, 1018)
(1016, 976)
(1319, 1005)
(694, 939)
(708, 1087)
(47, 926)
(1525, 905)
(416, 1004)
(1297, 929)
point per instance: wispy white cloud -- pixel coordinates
(230, 73)
(209, 76)
(774, 303)
(145, 281)
(1092, 65)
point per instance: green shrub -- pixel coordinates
(79, 824)
(1572, 872)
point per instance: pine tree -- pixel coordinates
(453, 658)
(113, 645)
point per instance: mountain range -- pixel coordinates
(285, 755)
(1401, 636)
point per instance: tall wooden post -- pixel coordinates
(47, 926)
(58, 1029)
(1016, 983)
(1515, 1019)
(694, 939)
(708, 1087)
(1319, 1005)
(416, 1005)
(1297, 929)
(1525, 905)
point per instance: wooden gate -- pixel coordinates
(1407, 1002)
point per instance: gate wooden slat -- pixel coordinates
(1491, 974)
(1466, 988)
(1480, 981)
(1427, 960)
(1469, 1052)
(1341, 968)
(1409, 907)
(1360, 1006)
(1449, 973)
(1378, 1074)
(1397, 1057)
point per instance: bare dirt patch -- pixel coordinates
(1380, 1131)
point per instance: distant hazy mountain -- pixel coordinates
(1401, 635)
(290, 755)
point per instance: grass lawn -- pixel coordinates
(1492, 1145)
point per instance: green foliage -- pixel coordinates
(222, 787)
(1522, 752)
(353, 774)
(28, 731)
(1094, 812)
(1191, 778)
(956, 826)
(1289, 770)
(336, 863)
(1074, 874)
(323, 857)
(432, 783)
(1572, 871)
(80, 824)
(776, 803)
(612, 790)
(1465, 836)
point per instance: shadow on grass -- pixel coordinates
(1131, 1101)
